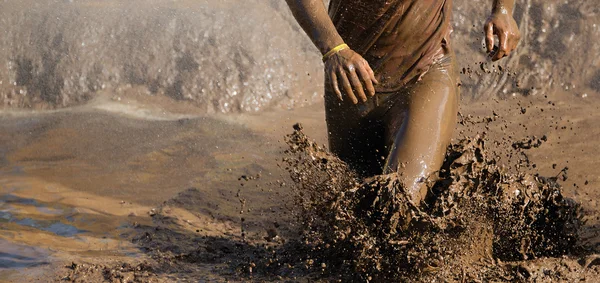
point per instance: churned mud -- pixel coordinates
(476, 217)
(126, 191)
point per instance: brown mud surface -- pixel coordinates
(99, 193)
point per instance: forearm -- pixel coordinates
(313, 18)
(503, 6)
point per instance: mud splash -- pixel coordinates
(244, 232)
(476, 217)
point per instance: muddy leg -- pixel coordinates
(419, 142)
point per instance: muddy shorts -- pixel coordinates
(363, 135)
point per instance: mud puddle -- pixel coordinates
(203, 199)
(79, 185)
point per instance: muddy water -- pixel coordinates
(136, 181)
(78, 183)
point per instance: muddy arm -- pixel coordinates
(346, 70)
(502, 24)
(313, 18)
(507, 5)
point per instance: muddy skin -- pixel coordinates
(406, 131)
(408, 123)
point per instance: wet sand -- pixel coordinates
(91, 184)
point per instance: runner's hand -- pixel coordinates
(349, 71)
(503, 25)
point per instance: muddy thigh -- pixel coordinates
(407, 131)
(420, 125)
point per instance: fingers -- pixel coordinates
(346, 85)
(507, 30)
(351, 75)
(368, 77)
(372, 74)
(503, 48)
(336, 87)
(367, 80)
(357, 85)
(489, 36)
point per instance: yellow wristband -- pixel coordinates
(335, 50)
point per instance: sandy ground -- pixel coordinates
(87, 184)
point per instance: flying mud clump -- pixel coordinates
(477, 221)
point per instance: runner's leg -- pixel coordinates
(420, 126)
